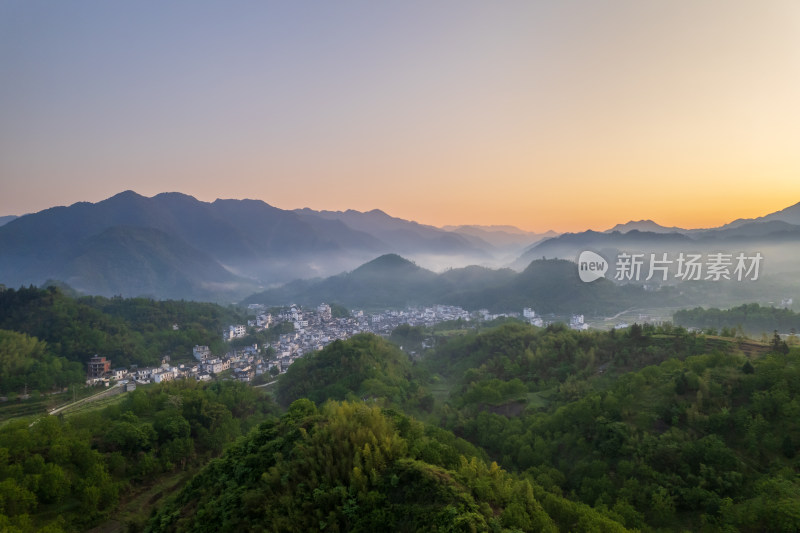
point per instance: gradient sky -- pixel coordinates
(562, 115)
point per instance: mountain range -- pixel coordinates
(644, 225)
(775, 236)
(6, 219)
(175, 246)
(551, 286)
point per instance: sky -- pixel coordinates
(562, 115)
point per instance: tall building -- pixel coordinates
(98, 367)
(324, 311)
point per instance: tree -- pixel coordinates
(778, 345)
(787, 447)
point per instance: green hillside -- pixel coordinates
(70, 474)
(510, 428)
(364, 366)
(752, 319)
(353, 467)
(135, 261)
(127, 331)
(666, 429)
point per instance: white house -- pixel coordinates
(201, 352)
(235, 332)
(324, 311)
(163, 376)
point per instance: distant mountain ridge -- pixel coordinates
(644, 225)
(250, 238)
(173, 245)
(6, 219)
(509, 237)
(390, 281)
(403, 236)
(768, 234)
(790, 214)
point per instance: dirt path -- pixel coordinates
(116, 389)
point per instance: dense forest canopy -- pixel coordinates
(353, 467)
(67, 474)
(125, 330)
(509, 428)
(751, 319)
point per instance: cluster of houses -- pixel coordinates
(244, 363)
(313, 329)
(576, 322)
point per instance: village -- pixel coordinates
(313, 329)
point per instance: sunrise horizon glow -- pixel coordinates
(560, 116)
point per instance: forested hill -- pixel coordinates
(364, 366)
(650, 428)
(662, 427)
(127, 331)
(390, 281)
(67, 474)
(751, 319)
(353, 467)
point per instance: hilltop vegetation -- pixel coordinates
(655, 427)
(127, 331)
(353, 467)
(26, 363)
(752, 319)
(510, 428)
(59, 475)
(650, 423)
(364, 366)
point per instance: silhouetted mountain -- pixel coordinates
(388, 281)
(6, 219)
(644, 225)
(550, 286)
(764, 234)
(553, 286)
(226, 248)
(790, 214)
(774, 229)
(508, 237)
(248, 238)
(403, 236)
(133, 261)
(476, 276)
(570, 245)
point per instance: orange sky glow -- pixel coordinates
(566, 115)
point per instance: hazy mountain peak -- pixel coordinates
(249, 202)
(124, 195)
(389, 261)
(6, 219)
(789, 214)
(504, 228)
(174, 196)
(644, 225)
